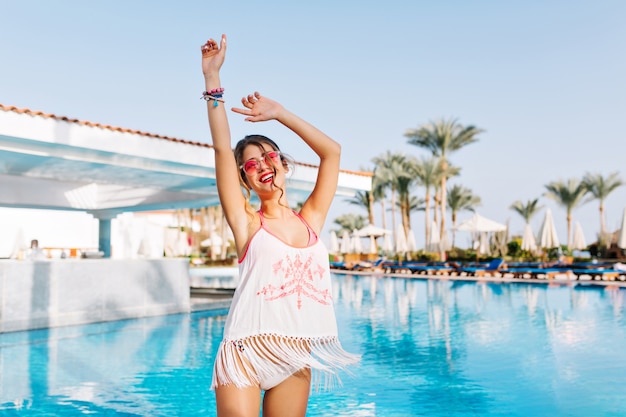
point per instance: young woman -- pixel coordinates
(281, 333)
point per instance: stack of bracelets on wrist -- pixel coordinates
(215, 95)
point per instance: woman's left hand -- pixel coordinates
(213, 56)
(259, 108)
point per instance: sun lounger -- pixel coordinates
(535, 273)
(429, 269)
(358, 266)
(601, 274)
(338, 265)
(491, 268)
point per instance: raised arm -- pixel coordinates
(260, 108)
(226, 170)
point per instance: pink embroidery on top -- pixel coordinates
(298, 278)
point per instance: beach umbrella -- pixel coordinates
(483, 247)
(478, 223)
(528, 239)
(334, 243)
(346, 242)
(357, 247)
(578, 240)
(372, 231)
(547, 237)
(401, 246)
(373, 247)
(621, 238)
(433, 240)
(445, 244)
(411, 245)
(387, 245)
(213, 240)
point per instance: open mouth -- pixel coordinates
(267, 178)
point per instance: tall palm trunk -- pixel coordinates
(393, 212)
(602, 220)
(569, 228)
(444, 168)
(436, 209)
(427, 216)
(404, 212)
(370, 209)
(384, 216)
(453, 229)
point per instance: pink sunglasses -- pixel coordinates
(252, 165)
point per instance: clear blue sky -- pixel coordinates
(545, 79)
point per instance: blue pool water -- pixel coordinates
(430, 348)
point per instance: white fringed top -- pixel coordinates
(281, 317)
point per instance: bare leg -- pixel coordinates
(237, 402)
(289, 398)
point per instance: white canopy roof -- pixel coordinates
(54, 162)
(478, 223)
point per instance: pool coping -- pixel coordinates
(493, 279)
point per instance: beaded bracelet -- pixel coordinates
(215, 94)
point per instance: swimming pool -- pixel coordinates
(430, 348)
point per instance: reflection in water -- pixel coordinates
(429, 347)
(110, 367)
(471, 346)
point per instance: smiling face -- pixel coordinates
(261, 165)
(262, 168)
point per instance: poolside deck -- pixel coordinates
(558, 280)
(215, 299)
(206, 299)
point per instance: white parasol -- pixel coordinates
(528, 239)
(346, 242)
(547, 237)
(478, 223)
(373, 231)
(411, 245)
(578, 240)
(483, 247)
(357, 247)
(445, 242)
(334, 243)
(387, 245)
(433, 241)
(401, 246)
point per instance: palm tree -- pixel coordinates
(389, 167)
(600, 187)
(443, 137)
(568, 195)
(460, 198)
(528, 210)
(350, 222)
(428, 170)
(378, 194)
(363, 199)
(404, 183)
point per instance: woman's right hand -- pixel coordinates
(213, 56)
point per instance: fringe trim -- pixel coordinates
(268, 358)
